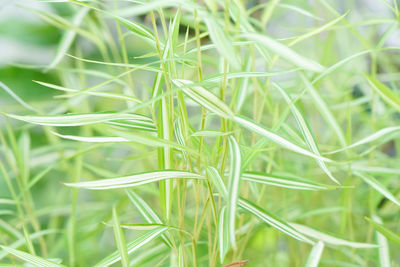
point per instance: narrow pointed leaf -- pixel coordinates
(285, 52)
(35, 260)
(329, 239)
(306, 132)
(379, 135)
(273, 220)
(204, 98)
(223, 235)
(147, 213)
(233, 187)
(135, 180)
(120, 239)
(259, 129)
(315, 255)
(378, 187)
(280, 181)
(132, 246)
(389, 234)
(385, 92)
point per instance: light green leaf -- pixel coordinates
(17, 98)
(233, 187)
(93, 139)
(223, 235)
(120, 239)
(329, 239)
(68, 37)
(378, 187)
(324, 110)
(315, 255)
(147, 213)
(383, 250)
(284, 52)
(280, 181)
(132, 246)
(306, 132)
(257, 128)
(389, 234)
(222, 41)
(35, 260)
(135, 180)
(385, 92)
(204, 98)
(216, 179)
(273, 221)
(132, 120)
(379, 135)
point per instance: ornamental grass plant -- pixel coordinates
(199, 133)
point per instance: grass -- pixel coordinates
(201, 133)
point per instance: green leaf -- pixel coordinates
(329, 239)
(35, 260)
(132, 120)
(379, 135)
(273, 221)
(135, 180)
(282, 181)
(68, 37)
(389, 234)
(216, 179)
(315, 255)
(222, 41)
(385, 92)
(306, 132)
(383, 250)
(233, 187)
(120, 239)
(132, 246)
(147, 213)
(378, 187)
(223, 234)
(259, 129)
(204, 98)
(17, 98)
(284, 52)
(324, 110)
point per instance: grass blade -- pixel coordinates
(385, 92)
(35, 260)
(389, 234)
(273, 221)
(133, 120)
(132, 246)
(204, 98)
(379, 135)
(280, 181)
(120, 239)
(285, 52)
(233, 187)
(135, 180)
(223, 235)
(315, 255)
(147, 213)
(378, 187)
(17, 98)
(329, 239)
(306, 132)
(221, 41)
(68, 38)
(383, 250)
(259, 129)
(216, 179)
(324, 110)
